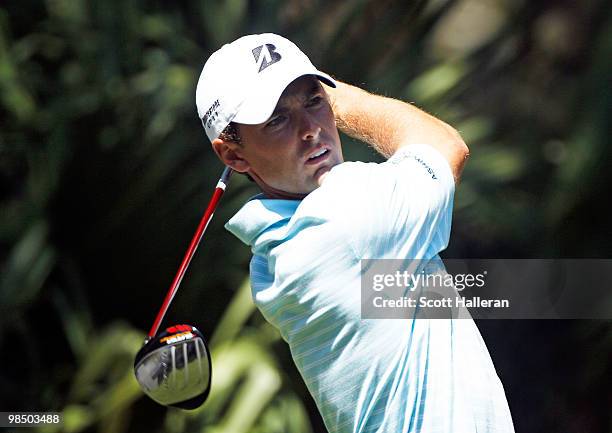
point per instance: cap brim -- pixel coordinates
(260, 104)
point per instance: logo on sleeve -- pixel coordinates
(265, 55)
(408, 154)
(425, 166)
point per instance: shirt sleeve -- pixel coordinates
(402, 208)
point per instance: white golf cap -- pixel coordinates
(243, 81)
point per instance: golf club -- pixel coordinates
(174, 366)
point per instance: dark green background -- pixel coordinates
(105, 172)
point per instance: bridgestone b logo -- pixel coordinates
(265, 55)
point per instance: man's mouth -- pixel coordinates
(318, 156)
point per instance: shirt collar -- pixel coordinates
(259, 214)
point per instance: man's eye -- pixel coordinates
(315, 100)
(276, 121)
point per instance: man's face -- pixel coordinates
(297, 145)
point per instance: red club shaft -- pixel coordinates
(193, 246)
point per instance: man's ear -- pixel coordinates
(229, 152)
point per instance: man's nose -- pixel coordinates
(309, 127)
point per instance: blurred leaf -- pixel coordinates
(76, 418)
(436, 82)
(27, 268)
(76, 322)
(261, 384)
(235, 316)
(474, 129)
(14, 97)
(104, 170)
(116, 347)
(223, 19)
(495, 164)
(285, 415)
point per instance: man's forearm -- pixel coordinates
(387, 124)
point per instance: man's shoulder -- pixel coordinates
(347, 173)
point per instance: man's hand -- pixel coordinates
(387, 124)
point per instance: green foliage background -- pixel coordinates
(105, 171)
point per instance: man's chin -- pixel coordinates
(322, 177)
(321, 174)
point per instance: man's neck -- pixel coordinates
(274, 193)
(283, 195)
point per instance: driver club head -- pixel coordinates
(174, 367)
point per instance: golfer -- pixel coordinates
(271, 115)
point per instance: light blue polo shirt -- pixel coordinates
(383, 375)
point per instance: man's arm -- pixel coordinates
(387, 124)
